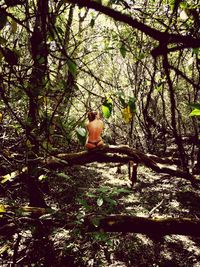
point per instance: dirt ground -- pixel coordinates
(102, 189)
(154, 195)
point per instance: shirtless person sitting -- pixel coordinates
(94, 128)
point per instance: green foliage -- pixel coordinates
(131, 104)
(195, 51)
(128, 106)
(123, 50)
(107, 107)
(81, 134)
(103, 199)
(72, 67)
(195, 111)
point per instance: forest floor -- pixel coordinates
(101, 189)
(106, 191)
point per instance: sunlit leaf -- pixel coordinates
(127, 114)
(107, 107)
(81, 134)
(183, 15)
(12, 175)
(99, 201)
(2, 209)
(42, 177)
(4, 249)
(183, 5)
(172, 3)
(190, 61)
(195, 112)
(106, 112)
(105, 2)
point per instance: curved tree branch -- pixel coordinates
(162, 37)
(121, 154)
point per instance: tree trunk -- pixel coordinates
(177, 136)
(36, 86)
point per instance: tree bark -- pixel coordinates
(154, 227)
(121, 154)
(37, 84)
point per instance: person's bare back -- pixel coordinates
(95, 129)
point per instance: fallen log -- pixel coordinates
(121, 154)
(153, 227)
(116, 154)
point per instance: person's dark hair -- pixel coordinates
(92, 115)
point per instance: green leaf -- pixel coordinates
(99, 201)
(107, 107)
(72, 67)
(106, 112)
(81, 134)
(103, 189)
(171, 4)
(111, 202)
(91, 195)
(195, 51)
(195, 105)
(41, 60)
(84, 203)
(123, 50)
(195, 112)
(183, 5)
(132, 105)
